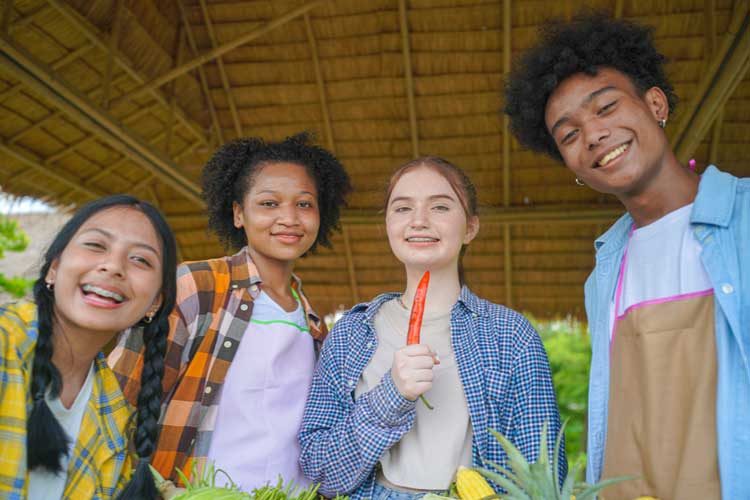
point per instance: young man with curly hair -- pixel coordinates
(668, 301)
(243, 338)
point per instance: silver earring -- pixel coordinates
(579, 182)
(50, 286)
(663, 123)
(148, 319)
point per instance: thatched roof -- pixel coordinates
(132, 96)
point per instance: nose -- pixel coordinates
(418, 217)
(288, 216)
(595, 132)
(112, 263)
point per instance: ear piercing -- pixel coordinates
(579, 182)
(662, 123)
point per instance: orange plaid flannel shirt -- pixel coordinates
(214, 306)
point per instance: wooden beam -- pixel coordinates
(201, 74)
(350, 265)
(712, 91)
(222, 71)
(619, 7)
(507, 261)
(25, 68)
(408, 78)
(177, 57)
(320, 84)
(713, 151)
(114, 42)
(507, 266)
(95, 36)
(219, 51)
(32, 160)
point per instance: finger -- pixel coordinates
(416, 350)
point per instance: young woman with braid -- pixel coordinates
(66, 427)
(243, 338)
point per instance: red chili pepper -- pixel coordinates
(417, 310)
(415, 319)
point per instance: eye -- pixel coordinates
(401, 209)
(305, 204)
(606, 108)
(269, 203)
(141, 260)
(94, 245)
(567, 138)
(441, 208)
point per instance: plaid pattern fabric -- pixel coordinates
(214, 307)
(100, 465)
(505, 375)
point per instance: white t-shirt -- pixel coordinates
(263, 399)
(663, 263)
(44, 485)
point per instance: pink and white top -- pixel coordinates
(263, 399)
(662, 263)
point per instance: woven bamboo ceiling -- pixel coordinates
(109, 96)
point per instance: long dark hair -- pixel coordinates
(47, 442)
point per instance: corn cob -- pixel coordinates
(471, 485)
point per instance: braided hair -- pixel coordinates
(47, 442)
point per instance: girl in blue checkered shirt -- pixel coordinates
(481, 365)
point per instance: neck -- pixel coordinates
(671, 187)
(73, 352)
(276, 274)
(442, 292)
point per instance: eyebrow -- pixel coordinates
(111, 236)
(585, 101)
(273, 191)
(431, 198)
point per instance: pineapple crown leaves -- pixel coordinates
(539, 481)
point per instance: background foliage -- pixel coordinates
(12, 239)
(569, 352)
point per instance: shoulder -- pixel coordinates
(18, 326)
(508, 327)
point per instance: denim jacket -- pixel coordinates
(720, 221)
(501, 363)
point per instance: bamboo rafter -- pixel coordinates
(201, 74)
(88, 115)
(408, 77)
(99, 40)
(220, 50)
(222, 71)
(320, 83)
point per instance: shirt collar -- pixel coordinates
(715, 199)
(245, 274)
(465, 297)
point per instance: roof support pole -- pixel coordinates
(408, 78)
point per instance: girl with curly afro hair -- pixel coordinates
(593, 94)
(244, 340)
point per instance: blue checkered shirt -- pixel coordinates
(505, 375)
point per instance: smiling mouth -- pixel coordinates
(421, 239)
(101, 292)
(612, 155)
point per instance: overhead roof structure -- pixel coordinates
(108, 96)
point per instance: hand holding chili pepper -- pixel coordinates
(415, 320)
(412, 370)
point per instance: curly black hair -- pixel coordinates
(228, 176)
(591, 40)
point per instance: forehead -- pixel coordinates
(422, 180)
(573, 92)
(123, 223)
(282, 174)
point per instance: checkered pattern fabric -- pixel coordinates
(99, 466)
(505, 375)
(214, 307)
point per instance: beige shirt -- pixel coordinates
(427, 457)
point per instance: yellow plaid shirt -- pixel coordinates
(100, 465)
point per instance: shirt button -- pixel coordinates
(235, 285)
(207, 390)
(351, 383)
(227, 344)
(369, 345)
(243, 307)
(727, 288)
